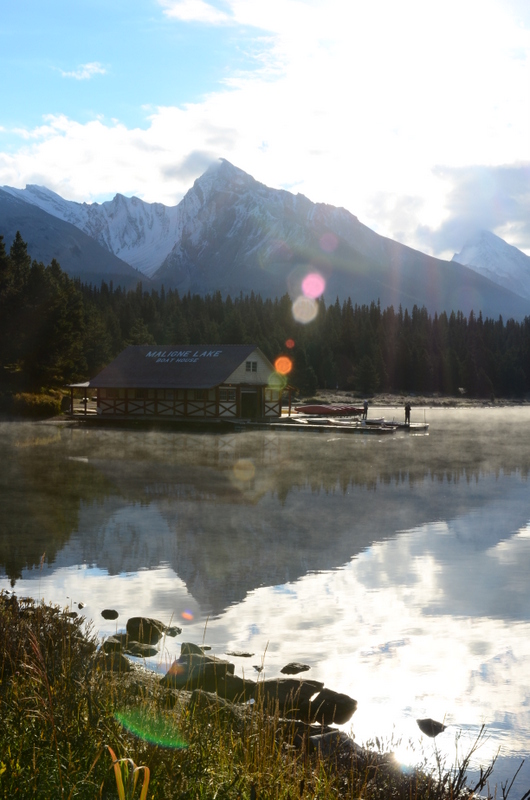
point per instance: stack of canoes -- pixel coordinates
(330, 411)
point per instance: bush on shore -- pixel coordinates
(33, 406)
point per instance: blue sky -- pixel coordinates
(413, 115)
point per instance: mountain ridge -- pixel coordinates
(49, 237)
(233, 234)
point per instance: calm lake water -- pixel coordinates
(397, 567)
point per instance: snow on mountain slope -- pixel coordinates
(234, 229)
(142, 234)
(492, 257)
(232, 234)
(238, 235)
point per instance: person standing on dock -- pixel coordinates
(407, 413)
(365, 410)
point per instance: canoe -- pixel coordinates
(330, 411)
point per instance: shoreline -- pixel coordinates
(332, 397)
(387, 400)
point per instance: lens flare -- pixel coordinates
(158, 730)
(283, 365)
(289, 343)
(244, 470)
(280, 251)
(328, 242)
(277, 381)
(313, 285)
(305, 309)
(187, 615)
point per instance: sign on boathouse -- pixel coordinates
(188, 381)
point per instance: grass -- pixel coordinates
(71, 730)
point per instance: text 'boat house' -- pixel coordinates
(186, 382)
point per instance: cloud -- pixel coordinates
(85, 71)
(351, 103)
(194, 11)
(493, 198)
(194, 164)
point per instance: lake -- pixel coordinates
(397, 567)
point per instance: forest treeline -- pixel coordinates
(55, 330)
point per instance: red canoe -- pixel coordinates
(330, 411)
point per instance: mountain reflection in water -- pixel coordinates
(397, 568)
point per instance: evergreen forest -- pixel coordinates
(55, 330)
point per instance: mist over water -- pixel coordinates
(396, 567)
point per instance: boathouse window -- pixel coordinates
(271, 394)
(251, 366)
(227, 395)
(141, 394)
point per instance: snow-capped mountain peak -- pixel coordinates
(502, 263)
(142, 234)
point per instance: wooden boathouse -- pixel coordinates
(185, 382)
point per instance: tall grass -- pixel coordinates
(70, 729)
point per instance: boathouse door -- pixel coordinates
(249, 403)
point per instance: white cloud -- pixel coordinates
(194, 11)
(362, 105)
(494, 198)
(85, 71)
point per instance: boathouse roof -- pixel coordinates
(174, 366)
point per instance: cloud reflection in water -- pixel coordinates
(396, 569)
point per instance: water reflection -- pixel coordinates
(396, 568)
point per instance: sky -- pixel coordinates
(412, 114)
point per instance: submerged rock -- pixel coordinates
(239, 654)
(430, 727)
(294, 667)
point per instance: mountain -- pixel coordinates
(239, 235)
(141, 234)
(48, 237)
(233, 234)
(492, 257)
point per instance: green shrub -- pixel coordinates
(37, 406)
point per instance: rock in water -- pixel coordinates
(293, 668)
(430, 727)
(145, 630)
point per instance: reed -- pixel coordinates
(73, 730)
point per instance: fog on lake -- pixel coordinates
(396, 566)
